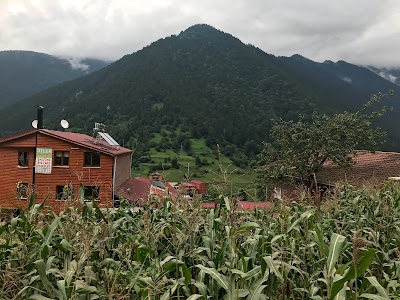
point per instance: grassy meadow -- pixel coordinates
(347, 247)
(209, 170)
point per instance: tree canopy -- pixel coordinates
(300, 149)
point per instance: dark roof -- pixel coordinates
(367, 167)
(139, 188)
(158, 184)
(75, 138)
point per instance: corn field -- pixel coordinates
(345, 248)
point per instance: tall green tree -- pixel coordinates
(300, 149)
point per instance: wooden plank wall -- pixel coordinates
(45, 184)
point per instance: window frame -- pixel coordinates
(91, 165)
(26, 159)
(62, 158)
(94, 191)
(60, 191)
(22, 192)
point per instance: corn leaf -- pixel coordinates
(220, 278)
(363, 265)
(381, 290)
(335, 249)
(39, 297)
(273, 268)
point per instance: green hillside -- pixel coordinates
(24, 73)
(204, 81)
(189, 159)
(201, 87)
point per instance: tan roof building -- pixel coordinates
(368, 167)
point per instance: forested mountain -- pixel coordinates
(24, 73)
(343, 86)
(202, 83)
(339, 85)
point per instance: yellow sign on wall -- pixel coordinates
(43, 160)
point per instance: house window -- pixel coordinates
(22, 158)
(91, 193)
(91, 159)
(22, 190)
(61, 158)
(64, 192)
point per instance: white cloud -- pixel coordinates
(388, 76)
(76, 63)
(347, 79)
(358, 31)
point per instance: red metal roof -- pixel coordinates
(75, 138)
(87, 141)
(137, 188)
(197, 182)
(367, 167)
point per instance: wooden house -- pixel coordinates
(60, 165)
(367, 168)
(140, 190)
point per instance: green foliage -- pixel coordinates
(24, 73)
(200, 84)
(204, 83)
(301, 148)
(200, 161)
(347, 249)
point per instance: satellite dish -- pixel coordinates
(34, 123)
(64, 124)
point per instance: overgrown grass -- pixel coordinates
(346, 248)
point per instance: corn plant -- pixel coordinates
(346, 248)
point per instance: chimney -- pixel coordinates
(156, 177)
(40, 117)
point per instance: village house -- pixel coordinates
(192, 188)
(187, 189)
(139, 190)
(367, 168)
(67, 165)
(200, 186)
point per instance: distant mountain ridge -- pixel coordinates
(339, 86)
(391, 74)
(24, 73)
(202, 83)
(350, 84)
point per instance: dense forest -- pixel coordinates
(24, 73)
(200, 84)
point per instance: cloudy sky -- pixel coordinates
(358, 31)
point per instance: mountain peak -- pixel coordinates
(300, 58)
(205, 31)
(200, 29)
